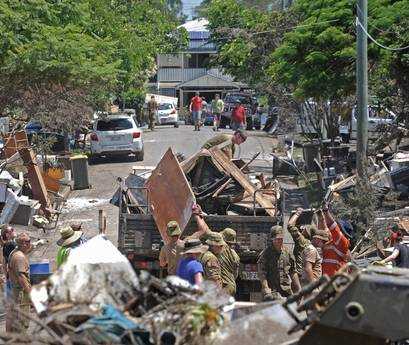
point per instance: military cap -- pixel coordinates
(215, 239)
(276, 231)
(229, 235)
(173, 228)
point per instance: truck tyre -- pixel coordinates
(176, 125)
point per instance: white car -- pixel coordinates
(376, 118)
(116, 135)
(167, 115)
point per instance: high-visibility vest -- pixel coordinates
(334, 253)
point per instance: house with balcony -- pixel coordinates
(183, 73)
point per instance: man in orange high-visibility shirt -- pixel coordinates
(336, 252)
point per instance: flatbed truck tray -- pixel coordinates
(140, 240)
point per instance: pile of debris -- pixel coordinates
(32, 190)
(99, 299)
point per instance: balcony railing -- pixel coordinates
(186, 74)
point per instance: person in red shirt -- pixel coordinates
(238, 117)
(335, 253)
(196, 105)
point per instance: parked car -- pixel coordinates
(250, 104)
(377, 117)
(167, 115)
(116, 135)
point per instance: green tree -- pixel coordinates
(388, 25)
(63, 58)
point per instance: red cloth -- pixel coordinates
(334, 253)
(196, 103)
(239, 114)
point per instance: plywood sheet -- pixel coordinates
(169, 194)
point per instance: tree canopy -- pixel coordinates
(308, 51)
(63, 57)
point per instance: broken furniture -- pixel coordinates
(38, 187)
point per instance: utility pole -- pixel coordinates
(362, 87)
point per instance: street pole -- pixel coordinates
(362, 87)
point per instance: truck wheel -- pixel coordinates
(176, 125)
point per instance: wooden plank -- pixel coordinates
(36, 179)
(242, 179)
(170, 196)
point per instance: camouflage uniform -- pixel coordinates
(170, 253)
(211, 268)
(229, 261)
(219, 139)
(152, 108)
(276, 268)
(300, 243)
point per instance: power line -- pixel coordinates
(376, 42)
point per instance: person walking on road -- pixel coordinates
(170, 252)
(189, 267)
(217, 107)
(238, 117)
(276, 268)
(195, 108)
(19, 273)
(152, 110)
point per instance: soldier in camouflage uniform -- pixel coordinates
(170, 252)
(229, 261)
(211, 268)
(276, 268)
(302, 239)
(308, 256)
(228, 265)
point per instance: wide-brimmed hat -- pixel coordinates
(322, 235)
(194, 246)
(215, 239)
(173, 228)
(229, 235)
(68, 236)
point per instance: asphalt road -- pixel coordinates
(83, 205)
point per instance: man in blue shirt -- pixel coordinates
(189, 267)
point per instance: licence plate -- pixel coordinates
(115, 138)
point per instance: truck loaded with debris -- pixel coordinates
(228, 192)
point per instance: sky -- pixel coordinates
(189, 6)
